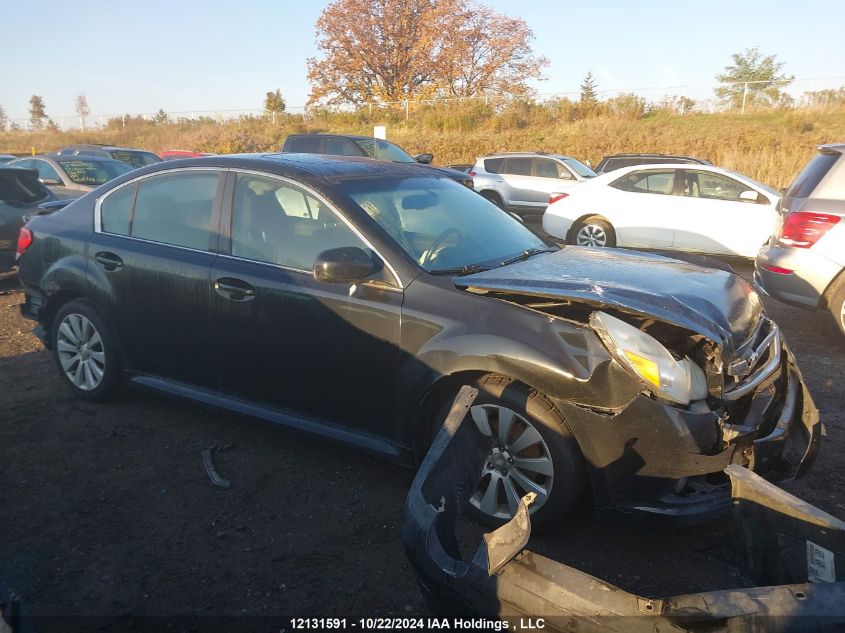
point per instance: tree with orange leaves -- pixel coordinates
(392, 50)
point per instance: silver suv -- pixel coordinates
(804, 263)
(527, 182)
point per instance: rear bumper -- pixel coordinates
(811, 274)
(503, 580)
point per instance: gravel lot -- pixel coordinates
(106, 510)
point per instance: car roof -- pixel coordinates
(355, 137)
(107, 148)
(305, 166)
(830, 148)
(526, 155)
(650, 155)
(75, 157)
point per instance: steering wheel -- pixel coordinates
(433, 250)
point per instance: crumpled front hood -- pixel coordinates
(720, 305)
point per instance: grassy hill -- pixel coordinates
(770, 146)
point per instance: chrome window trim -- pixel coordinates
(98, 213)
(399, 285)
(98, 218)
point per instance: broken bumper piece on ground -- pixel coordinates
(779, 540)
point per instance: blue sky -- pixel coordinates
(217, 55)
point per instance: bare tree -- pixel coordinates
(82, 110)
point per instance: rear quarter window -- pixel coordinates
(493, 165)
(21, 188)
(116, 210)
(812, 175)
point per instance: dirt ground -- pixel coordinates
(105, 510)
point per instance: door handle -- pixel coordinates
(108, 261)
(234, 289)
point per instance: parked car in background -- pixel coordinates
(464, 167)
(804, 262)
(617, 161)
(128, 155)
(20, 195)
(352, 145)
(5, 158)
(70, 176)
(353, 298)
(700, 209)
(171, 154)
(526, 182)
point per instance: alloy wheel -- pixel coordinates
(591, 235)
(81, 352)
(519, 462)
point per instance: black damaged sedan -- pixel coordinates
(352, 298)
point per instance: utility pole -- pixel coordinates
(744, 96)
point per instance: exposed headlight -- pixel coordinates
(680, 381)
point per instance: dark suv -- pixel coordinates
(353, 298)
(352, 145)
(132, 157)
(617, 161)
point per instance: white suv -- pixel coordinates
(526, 182)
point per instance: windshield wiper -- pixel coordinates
(528, 252)
(461, 270)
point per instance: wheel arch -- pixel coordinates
(584, 218)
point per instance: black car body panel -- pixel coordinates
(502, 580)
(371, 363)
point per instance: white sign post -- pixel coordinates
(380, 131)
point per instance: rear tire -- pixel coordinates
(836, 309)
(593, 232)
(493, 197)
(535, 437)
(86, 352)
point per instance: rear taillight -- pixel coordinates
(554, 197)
(778, 269)
(24, 241)
(471, 174)
(802, 229)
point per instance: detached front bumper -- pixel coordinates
(504, 581)
(655, 459)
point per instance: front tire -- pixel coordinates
(86, 352)
(593, 232)
(532, 451)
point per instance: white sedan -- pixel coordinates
(689, 208)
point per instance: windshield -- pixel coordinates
(440, 223)
(384, 150)
(93, 172)
(580, 168)
(135, 158)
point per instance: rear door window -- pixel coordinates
(304, 144)
(517, 166)
(45, 170)
(176, 208)
(659, 181)
(811, 175)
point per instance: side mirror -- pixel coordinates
(51, 182)
(347, 264)
(749, 196)
(425, 159)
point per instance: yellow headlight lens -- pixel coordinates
(645, 367)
